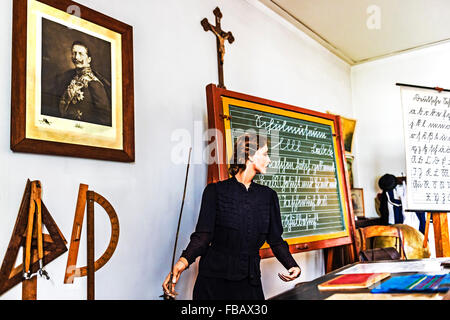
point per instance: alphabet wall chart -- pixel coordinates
(426, 120)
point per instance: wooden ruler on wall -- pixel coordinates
(87, 199)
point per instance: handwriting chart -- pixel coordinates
(426, 119)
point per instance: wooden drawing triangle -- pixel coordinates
(54, 244)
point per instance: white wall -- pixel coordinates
(174, 61)
(377, 106)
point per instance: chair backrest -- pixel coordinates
(382, 231)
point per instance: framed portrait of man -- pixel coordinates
(72, 82)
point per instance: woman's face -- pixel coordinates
(261, 160)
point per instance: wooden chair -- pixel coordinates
(381, 231)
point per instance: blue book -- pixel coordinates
(418, 283)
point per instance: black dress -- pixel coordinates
(232, 226)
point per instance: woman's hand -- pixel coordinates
(294, 273)
(178, 268)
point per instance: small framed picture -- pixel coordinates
(358, 202)
(72, 82)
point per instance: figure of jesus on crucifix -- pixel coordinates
(221, 36)
(228, 36)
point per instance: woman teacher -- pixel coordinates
(236, 217)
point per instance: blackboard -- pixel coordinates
(307, 169)
(426, 118)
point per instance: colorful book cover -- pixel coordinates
(353, 281)
(419, 283)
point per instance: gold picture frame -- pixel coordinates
(348, 130)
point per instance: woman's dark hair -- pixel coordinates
(245, 146)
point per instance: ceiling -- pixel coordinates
(363, 30)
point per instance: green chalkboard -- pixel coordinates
(305, 170)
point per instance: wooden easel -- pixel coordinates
(441, 236)
(46, 247)
(89, 197)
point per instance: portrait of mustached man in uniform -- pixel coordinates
(84, 92)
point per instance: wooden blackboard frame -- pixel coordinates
(218, 170)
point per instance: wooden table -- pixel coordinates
(309, 290)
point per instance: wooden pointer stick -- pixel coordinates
(166, 296)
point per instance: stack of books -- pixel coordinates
(418, 283)
(352, 281)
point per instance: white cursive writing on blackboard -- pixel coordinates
(282, 126)
(291, 145)
(300, 220)
(289, 183)
(302, 166)
(322, 150)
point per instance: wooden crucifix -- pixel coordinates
(221, 37)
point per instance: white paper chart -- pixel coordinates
(426, 121)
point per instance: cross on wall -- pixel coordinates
(221, 37)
